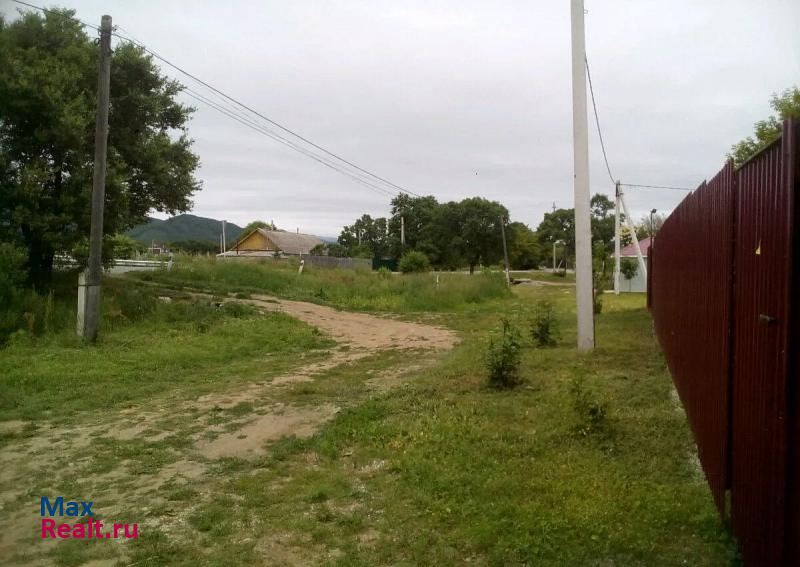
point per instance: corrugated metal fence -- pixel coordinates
(721, 276)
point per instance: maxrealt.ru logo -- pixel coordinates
(78, 530)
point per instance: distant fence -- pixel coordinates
(333, 262)
(721, 273)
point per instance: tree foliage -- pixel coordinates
(48, 83)
(786, 105)
(451, 235)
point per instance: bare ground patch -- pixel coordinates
(210, 425)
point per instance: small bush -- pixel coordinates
(503, 357)
(413, 262)
(544, 326)
(629, 268)
(590, 411)
(12, 271)
(384, 272)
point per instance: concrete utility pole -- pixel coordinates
(505, 249)
(89, 284)
(583, 231)
(617, 241)
(402, 231)
(224, 242)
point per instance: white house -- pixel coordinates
(638, 283)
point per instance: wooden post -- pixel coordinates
(89, 320)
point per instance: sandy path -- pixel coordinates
(358, 335)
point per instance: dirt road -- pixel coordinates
(240, 422)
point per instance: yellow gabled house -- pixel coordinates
(265, 242)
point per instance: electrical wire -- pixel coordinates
(260, 129)
(260, 115)
(360, 174)
(656, 187)
(597, 121)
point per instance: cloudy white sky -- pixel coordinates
(427, 94)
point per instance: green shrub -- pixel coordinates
(591, 412)
(544, 326)
(384, 272)
(12, 271)
(629, 267)
(413, 262)
(503, 357)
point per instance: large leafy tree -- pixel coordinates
(481, 232)
(48, 83)
(524, 251)
(560, 225)
(786, 105)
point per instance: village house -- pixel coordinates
(638, 283)
(263, 242)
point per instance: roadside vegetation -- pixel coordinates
(359, 290)
(587, 460)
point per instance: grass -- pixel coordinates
(545, 275)
(357, 290)
(439, 469)
(148, 348)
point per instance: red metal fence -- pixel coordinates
(726, 316)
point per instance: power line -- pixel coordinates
(262, 130)
(374, 180)
(597, 121)
(656, 187)
(274, 123)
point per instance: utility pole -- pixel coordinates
(583, 231)
(224, 243)
(89, 284)
(617, 240)
(505, 249)
(402, 231)
(554, 256)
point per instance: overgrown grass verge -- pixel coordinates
(446, 470)
(357, 290)
(148, 347)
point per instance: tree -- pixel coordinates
(786, 105)
(481, 232)
(367, 237)
(524, 251)
(48, 80)
(560, 225)
(418, 215)
(251, 226)
(647, 227)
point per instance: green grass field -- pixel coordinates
(345, 289)
(437, 469)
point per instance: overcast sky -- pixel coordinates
(459, 99)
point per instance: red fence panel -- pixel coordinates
(725, 298)
(691, 286)
(761, 352)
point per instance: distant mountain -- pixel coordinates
(183, 227)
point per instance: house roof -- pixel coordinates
(291, 242)
(630, 250)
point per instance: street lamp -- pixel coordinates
(554, 253)
(652, 226)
